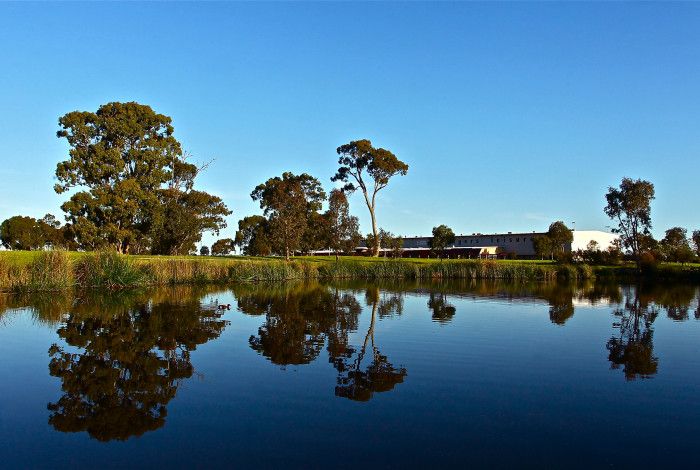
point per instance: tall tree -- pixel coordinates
(127, 163)
(343, 228)
(253, 237)
(287, 202)
(443, 236)
(696, 241)
(370, 169)
(630, 206)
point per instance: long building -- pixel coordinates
(495, 245)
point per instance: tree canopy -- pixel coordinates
(369, 169)
(443, 236)
(136, 191)
(343, 228)
(630, 206)
(287, 202)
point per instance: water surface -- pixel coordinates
(318, 375)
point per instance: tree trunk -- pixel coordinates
(377, 242)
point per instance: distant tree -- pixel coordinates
(675, 245)
(287, 202)
(630, 206)
(543, 246)
(386, 239)
(395, 244)
(222, 247)
(27, 233)
(316, 234)
(253, 237)
(21, 233)
(204, 250)
(184, 213)
(343, 228)
(696, 241)
(370, 169)
(560, 236)
(443, 236)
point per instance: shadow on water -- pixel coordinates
(122, 356)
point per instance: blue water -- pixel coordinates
(310, 375)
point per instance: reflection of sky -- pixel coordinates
(498, 370)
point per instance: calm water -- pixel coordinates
(310, 375)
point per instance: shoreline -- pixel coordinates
(57, 270)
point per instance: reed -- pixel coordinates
(56, 270)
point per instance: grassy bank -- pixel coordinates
(52, 270)
(46, 271)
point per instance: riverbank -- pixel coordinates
(54, 270)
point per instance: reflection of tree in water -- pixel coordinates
(357, 383)
(301, 318)
(443, 311)
(131, 364)
(296, 322)
(633, 348)
(561, 305)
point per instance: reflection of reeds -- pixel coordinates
(54, 270)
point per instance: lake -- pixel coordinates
(336, 375)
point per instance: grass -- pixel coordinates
(51, 271)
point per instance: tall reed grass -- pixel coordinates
(52, 270)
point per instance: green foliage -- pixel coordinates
(443, 236)
(253, 236)
(122, 157)
(630, 206)
(369, 169)
(204, 250)
(386, 239)
(675, 246)
(696, 241)
(222, 247)
(343, 233)
(288, 203)
(554, 243)
(28, 233)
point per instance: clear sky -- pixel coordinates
(509, 115)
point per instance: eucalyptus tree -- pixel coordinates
(630, 206)
(696, 241)
(369, 169)
(126, 164)
(287, 202)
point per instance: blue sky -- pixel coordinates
(509, 115)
